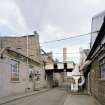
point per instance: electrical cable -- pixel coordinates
(72, 37)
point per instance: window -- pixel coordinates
(37, 75)
(14, 71)
(31, 73)
(102, 68)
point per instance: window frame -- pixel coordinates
(15, 72)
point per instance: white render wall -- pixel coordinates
(3, 79)
(76, 75)
(70, 65)
(49, 66)
(60, 66)
(11, 87)
(8, 87)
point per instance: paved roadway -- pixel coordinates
(80, 100)
(51, 97)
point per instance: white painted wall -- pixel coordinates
(75, 75)
(70, 65)
(8, 87)
(60, 65)
(49, 66)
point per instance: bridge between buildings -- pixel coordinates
(57, 72)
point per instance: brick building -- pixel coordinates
(27, 52)
(96, 72)
(83, 64)
(25, 45)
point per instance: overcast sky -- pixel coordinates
(52, 19)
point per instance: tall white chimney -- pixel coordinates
(64, 55)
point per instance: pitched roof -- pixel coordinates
(99, 38)
(14, 50)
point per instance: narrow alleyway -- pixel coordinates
(55, 97)
(51, 97)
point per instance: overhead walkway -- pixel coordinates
(58, 71)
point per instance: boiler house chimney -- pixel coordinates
(64, 55)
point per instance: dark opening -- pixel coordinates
(65, 65)
(69, 70)
(55, 66)
(58, 70)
